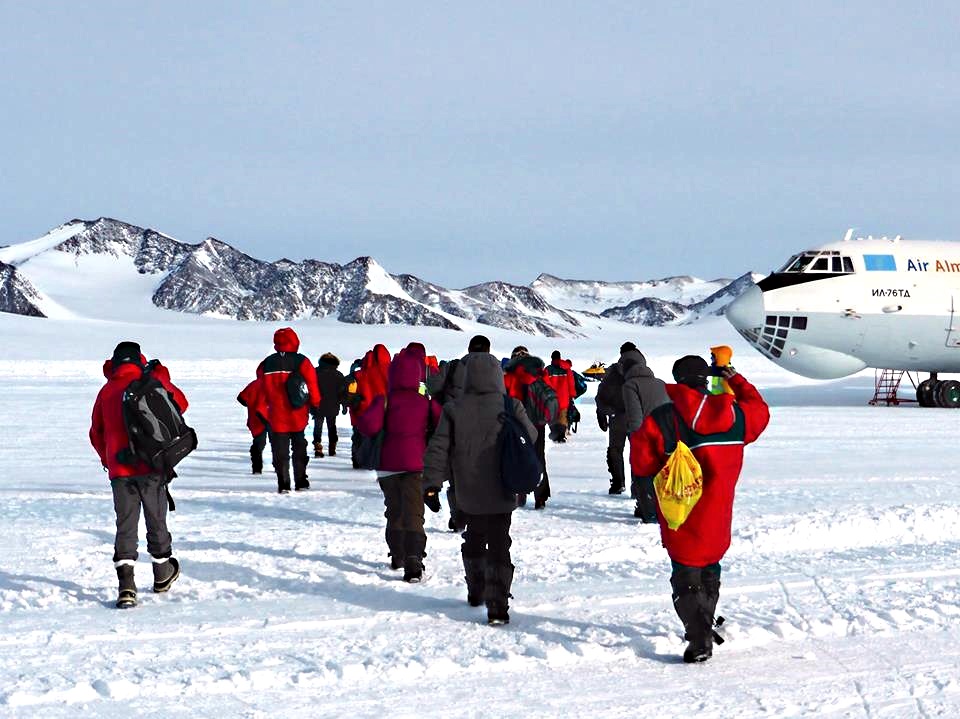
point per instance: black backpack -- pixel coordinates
(541, 404)
(580, 384)
(158, 435)
(520, 468)
(297, 391)
(610, 392)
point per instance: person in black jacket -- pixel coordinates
(332, 390)
(612, 418)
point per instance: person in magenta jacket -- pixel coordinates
(716, 428)
(407, 417)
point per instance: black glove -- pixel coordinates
(431, 498)
(602, 422)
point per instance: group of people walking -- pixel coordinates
(422, 424)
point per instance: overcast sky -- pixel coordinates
(472, 141)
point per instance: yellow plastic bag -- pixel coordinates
(678, 486)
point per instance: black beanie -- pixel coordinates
(126, 353)
(555, 355)
(519, 351)
(627, 347)
(691, 370)
(479, 343)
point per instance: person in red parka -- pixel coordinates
(524, 380)
(716, 428)
(135, 485)
(406, 416)
(252, 399)
(286, 422)
(559, 375)
(371, 381)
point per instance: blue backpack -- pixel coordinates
(520, 468)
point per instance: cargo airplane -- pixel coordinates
(866, 302)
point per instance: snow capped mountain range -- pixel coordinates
(74, 269)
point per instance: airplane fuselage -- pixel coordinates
(846, 306)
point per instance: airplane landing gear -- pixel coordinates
(926, 393)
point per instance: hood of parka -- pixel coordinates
(484, 375)
(286, 340)
(406, 371)
(634, 364)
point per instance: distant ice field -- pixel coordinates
(841, 590)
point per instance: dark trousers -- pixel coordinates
(129, 495)
(281, 444)
(331, 420)
(542, 492)
(617, 441)
(403, 499)
(355, 439)
(256, 450)
(488, 535)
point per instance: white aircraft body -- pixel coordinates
(883, 303)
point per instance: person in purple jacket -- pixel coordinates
(407, 417)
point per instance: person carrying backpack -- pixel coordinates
(446, 386)
(524, 381)
(465, 445)
(559, 375)
(401, 421)
(136, 485)
(644, 395)
(330, 382)
(251, 398)
(289, 386)
(371, 381)
(612, 418)
(715, 428)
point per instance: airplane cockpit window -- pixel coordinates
(823, 261)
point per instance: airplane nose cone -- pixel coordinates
(746, 312)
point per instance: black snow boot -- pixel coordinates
(646, 509)
(415, 546)
(541, 494)
(318, 449)
(127, 593)
(522, 500)
(615, 488)
(300, 481)
(283, 478)
(496, 592)
(395, 545)
(165, 574)
(256, 462)
(333, 449)
(690, 603)
(413, 569)
(474, 569)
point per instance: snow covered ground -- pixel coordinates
(841, 589)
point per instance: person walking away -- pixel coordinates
(352, 401)
(446, 386)
(524, 381)
(716, 428)
(465, 444)
(406, 417)
(612, 418)
(252, 399)
(559, 375)
(644, 394)
(285, 421)
(136, 486)
(330, 382)
(371, 383)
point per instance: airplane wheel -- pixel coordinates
(948, 394)
(927, 393)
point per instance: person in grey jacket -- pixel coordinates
(446, 386)
(465, 446)
(644, 394)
